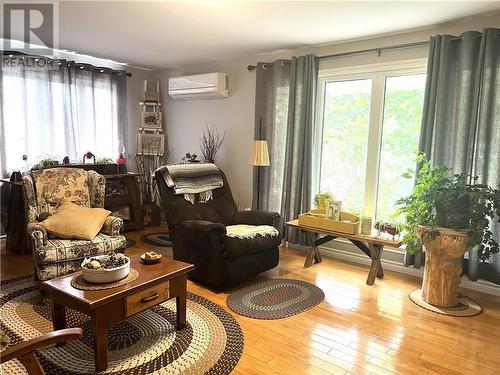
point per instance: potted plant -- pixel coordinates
(47, 162)
(103, 160)
(190, 158)
(321, 200)
(449, 214)
(392, 229)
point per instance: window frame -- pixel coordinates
(378, 74)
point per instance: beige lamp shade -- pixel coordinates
(260, 154)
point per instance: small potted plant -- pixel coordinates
(449, 214)
(103, 161)
(190, 158)
(321, 200)
(392, 229)
(47, 162)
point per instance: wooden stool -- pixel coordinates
(443, 265)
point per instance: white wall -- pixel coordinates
(186, 119)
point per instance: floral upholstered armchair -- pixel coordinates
(44, 190)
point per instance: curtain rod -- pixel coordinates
(100, 69)
(359, 52)
(366, 51)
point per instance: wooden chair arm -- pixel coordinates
(50, 338)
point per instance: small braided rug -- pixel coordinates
(79, 282)
(146, 343)
(466, 307)
(160, 239)
(275, 299)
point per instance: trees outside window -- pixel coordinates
(370, 123)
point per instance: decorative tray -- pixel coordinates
(348, 223)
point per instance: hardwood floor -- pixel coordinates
(358, 329)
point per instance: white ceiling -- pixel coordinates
(163, 34)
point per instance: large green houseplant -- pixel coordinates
(443, 199)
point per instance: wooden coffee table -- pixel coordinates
(156, 283)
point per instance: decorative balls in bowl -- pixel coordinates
(105, 268)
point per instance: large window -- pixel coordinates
(404, 97)
(60, 112)
(370, 123)
(345, 140)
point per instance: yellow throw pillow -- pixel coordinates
(75, 222)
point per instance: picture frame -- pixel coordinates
(151, 144)
(333, 210)
(151, 96)
(152, 120)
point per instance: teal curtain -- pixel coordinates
(285, 105)
(461, 116)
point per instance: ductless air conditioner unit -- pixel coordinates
(199, 86)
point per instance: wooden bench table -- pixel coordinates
(372, 246)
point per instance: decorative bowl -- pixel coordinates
(150, 260)
(105, 275)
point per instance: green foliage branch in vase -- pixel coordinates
(443, 199)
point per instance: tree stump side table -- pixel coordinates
(443, 265)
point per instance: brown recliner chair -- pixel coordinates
(198, 235)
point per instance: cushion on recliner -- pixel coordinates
(236, 247)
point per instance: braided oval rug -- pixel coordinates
(275, 299)
(211, 343)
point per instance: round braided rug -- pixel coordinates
(79, 282)
(275, 299)
(157, 239)
(146, 343)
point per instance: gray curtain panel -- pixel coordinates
(60, 111)
(285, 102)
(461, 116)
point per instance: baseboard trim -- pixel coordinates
(479, 286)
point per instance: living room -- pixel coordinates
(250, 187)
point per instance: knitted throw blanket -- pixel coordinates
(244, 231)
(191, 179)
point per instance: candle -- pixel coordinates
(157, 86)
(366, 225)
(145, 85)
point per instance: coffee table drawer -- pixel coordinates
(146, 298)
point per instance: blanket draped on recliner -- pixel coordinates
(191, 179)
